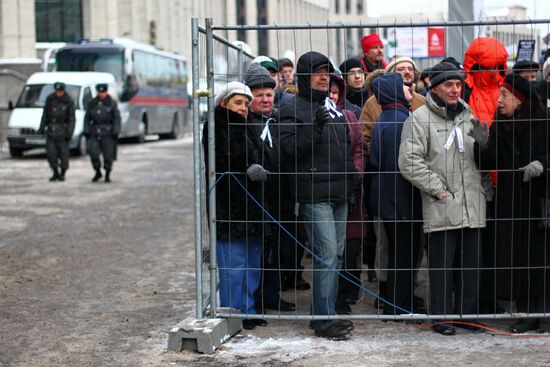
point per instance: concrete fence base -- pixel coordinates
(203, 335)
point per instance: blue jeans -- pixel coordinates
(239, 272)
(326, 229)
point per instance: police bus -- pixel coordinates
(151, 84)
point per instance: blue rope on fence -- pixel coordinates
(452, 324)
(351, 280)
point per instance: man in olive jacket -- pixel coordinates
(437, 156)
(57, 123)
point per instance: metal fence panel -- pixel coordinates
(225, 63)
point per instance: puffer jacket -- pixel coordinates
(485, 67)
(322, 160)
(424, 161)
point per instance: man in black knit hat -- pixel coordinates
(354, 76)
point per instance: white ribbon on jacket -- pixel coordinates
(458, 133)
(332, 109)
(266, 133)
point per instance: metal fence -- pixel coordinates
(217, 61)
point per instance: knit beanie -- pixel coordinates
(398, 59)
(520, 87)
(230, 89)
(525, 66)
(349, 64)
(369, 41)
(442, 72)
(258, 76)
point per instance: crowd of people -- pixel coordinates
(382, 164)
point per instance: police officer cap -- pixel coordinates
(101, 87)
(59, 86)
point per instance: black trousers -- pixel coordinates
(453, 261)
(351, 269)
(105, 145)
(487, 287)
(276, 260)
(403, 238)
(57, 152)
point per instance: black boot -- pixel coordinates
(523, 325)
(55, 176)
(97, 175)
(108, 175)
(62, 175)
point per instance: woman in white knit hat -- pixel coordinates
(238, 218)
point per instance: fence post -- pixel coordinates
(211, 166)
(240, 61)
(197, 166)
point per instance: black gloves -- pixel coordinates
(257, 173)
(322, 117)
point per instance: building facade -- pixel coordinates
(167, 24)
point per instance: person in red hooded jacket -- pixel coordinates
(485, 68)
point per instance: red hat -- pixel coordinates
(369, 41)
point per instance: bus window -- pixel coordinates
(108, 60)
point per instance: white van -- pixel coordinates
(27, 112)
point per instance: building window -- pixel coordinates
(337, 6)
(359, 7)
(263, 34)
(58, 20)
(241, 19)
(348, 6)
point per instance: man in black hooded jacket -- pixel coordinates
(315, 145)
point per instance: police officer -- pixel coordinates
(57, 123)
(101, 127)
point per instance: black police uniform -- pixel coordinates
(101, 127)
(58, 120)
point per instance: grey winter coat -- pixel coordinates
(424, 161)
